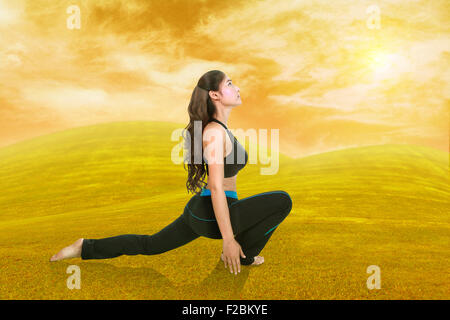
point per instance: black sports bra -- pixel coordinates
(231, 164)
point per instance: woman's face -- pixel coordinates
(230, 93)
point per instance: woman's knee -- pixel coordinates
(286, 202)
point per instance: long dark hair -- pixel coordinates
(201, 108)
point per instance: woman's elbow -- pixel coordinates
(215, 188)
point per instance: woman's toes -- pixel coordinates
(258, 260)
(56, 257)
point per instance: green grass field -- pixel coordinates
(385, 205)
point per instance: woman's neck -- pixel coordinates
(222, 117)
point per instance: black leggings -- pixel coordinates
(253, 220)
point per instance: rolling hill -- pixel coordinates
(386, 205)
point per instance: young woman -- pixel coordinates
(214, 211)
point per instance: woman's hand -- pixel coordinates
(231, 255)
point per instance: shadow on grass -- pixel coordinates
(222, 284)
(100, 280)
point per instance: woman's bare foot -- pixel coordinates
(72, 251)
(258, 260)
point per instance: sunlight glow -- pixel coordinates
(8, 14)
(383, 64)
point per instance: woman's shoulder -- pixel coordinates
(213, 127)
(213, 124)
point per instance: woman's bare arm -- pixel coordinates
(214, 151)
(222, 214)
(214, 146)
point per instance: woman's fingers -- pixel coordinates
(242, 254)
(235, 266)
(230, 265)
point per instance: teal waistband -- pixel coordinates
(228, 193)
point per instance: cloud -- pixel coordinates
(314, 65)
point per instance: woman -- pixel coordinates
(214, 211)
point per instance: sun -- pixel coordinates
(381, 61)
(383, 64)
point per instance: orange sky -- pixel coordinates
(319, 71)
